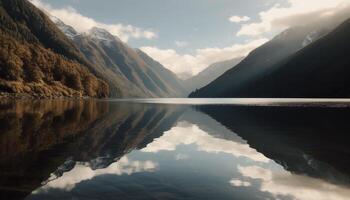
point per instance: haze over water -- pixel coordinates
(175, 149)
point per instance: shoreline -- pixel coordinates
(24, 96)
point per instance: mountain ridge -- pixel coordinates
(211, 73)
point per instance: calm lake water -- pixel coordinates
(175, 149)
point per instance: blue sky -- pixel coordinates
(188, 35)
(200, 23)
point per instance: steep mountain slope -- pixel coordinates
(36, 59)
(138, 72)
(211, 73)
(260, 61)
(102, 63)
(318, 70)
(96, 54)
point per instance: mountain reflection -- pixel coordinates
(284, 184)
(105, 150)
(41, 140)
(304, 140)
(83, 171)
(190, 134)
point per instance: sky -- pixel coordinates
(186, 36)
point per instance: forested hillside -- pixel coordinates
(38, 60)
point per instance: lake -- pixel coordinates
(175, 149)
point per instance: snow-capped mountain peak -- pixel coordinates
(69, 31)
(100, 34)
(66, 29)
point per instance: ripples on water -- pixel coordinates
(169, 149)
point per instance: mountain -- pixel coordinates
(36, 59)
(136, 68)
(104, 64)
(88, 44)
(318, 70)
(260, 61)
(139, 74)
(210, 74)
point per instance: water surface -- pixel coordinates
(175, 149)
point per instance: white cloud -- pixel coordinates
(82, 23)
(181, 43)
(238, 19)
(194, 135)
(189, 65)
(295, 12)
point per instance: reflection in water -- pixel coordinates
(312, 141)
(37, 125)
(83, 171)
(191, 135)
(107, 150)
(27, 132)
(283, 183)
(45, 139)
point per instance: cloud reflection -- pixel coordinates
(181, 156)
(83, 171)
(239, 183)
(192, 134)
(298, 187)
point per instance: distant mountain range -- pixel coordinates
(305, 61)
(170, 84)
(211, 73)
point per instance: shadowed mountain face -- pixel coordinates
(320, 70)
(312, 141)
(210, 74)
(41, 140)
(286, 66)
(36, 59)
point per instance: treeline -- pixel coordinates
(29, 68)
(36, 59)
